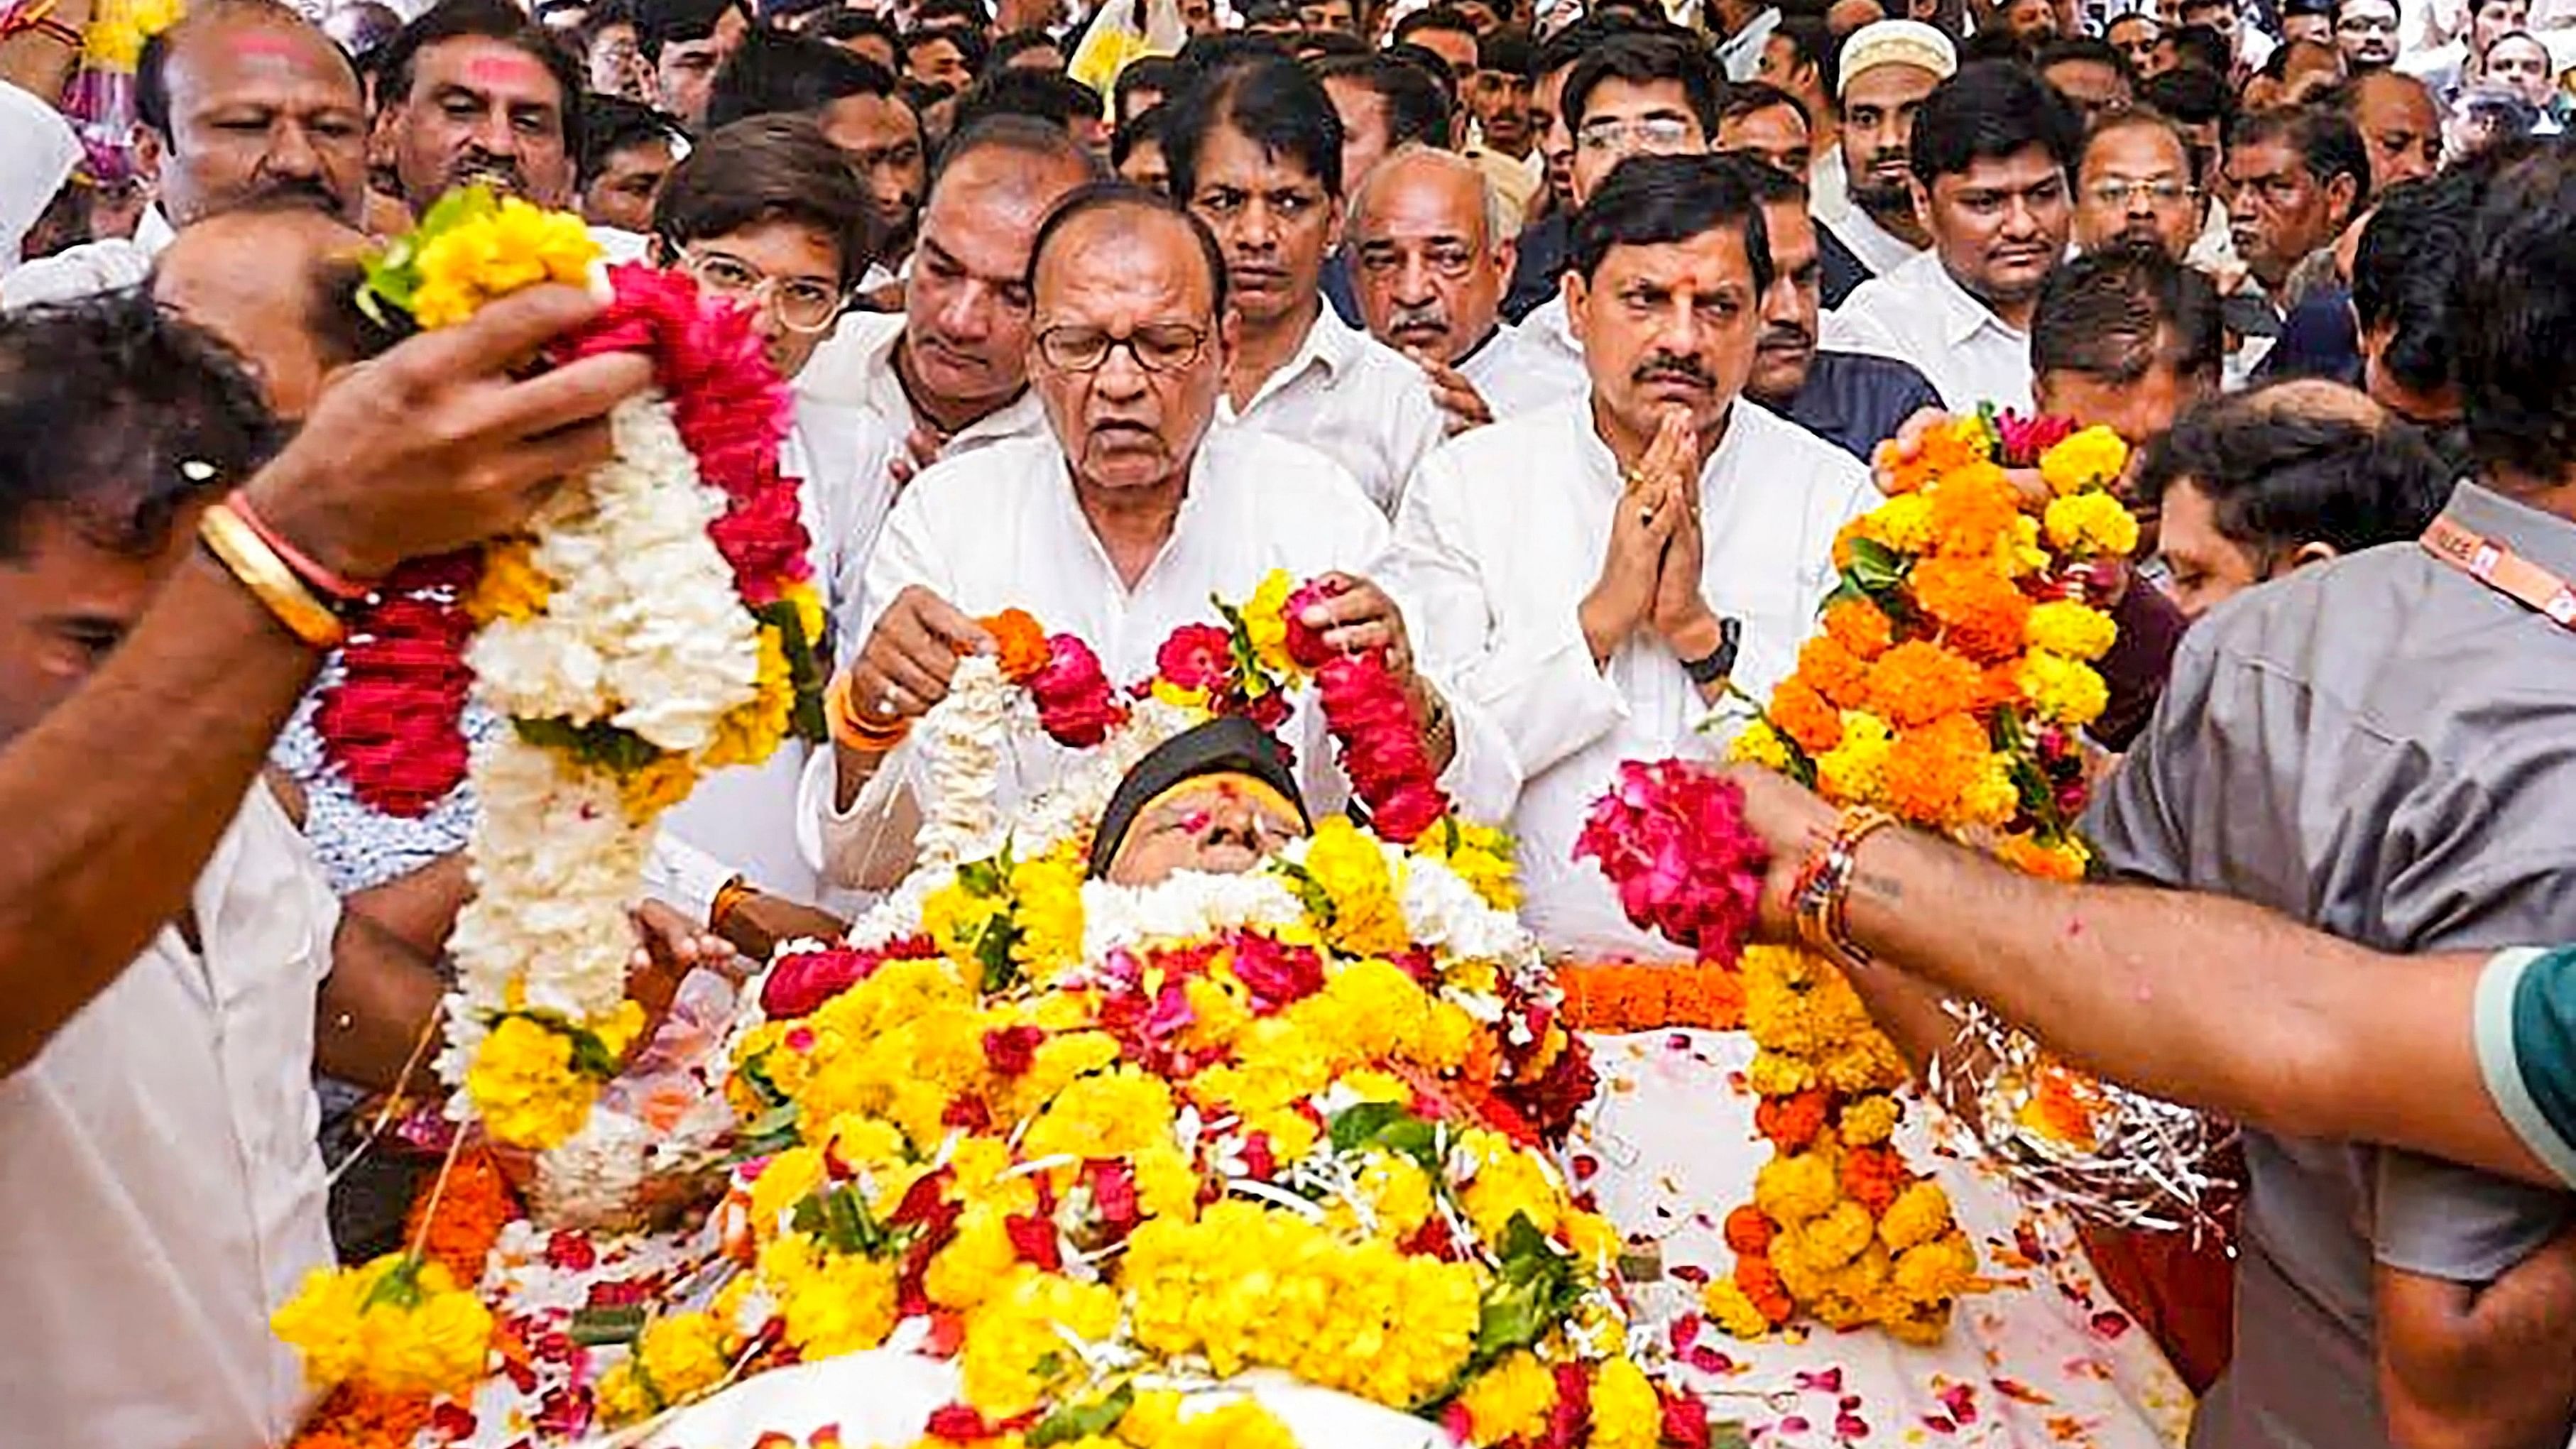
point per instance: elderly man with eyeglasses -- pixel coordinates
(1116, 527)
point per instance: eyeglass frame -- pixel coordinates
(1110, 343)
(763, 293)
(1609, 133)
(2126, 188)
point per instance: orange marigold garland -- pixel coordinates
(1619, 996)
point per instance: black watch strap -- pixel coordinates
(1719, 664)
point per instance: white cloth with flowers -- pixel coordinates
(2043, 1357)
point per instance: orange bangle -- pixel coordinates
(256, 566)
(854, 731)
(729, 898)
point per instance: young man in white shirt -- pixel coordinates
(163, 933)
(1116, 528)
(1993, 159)
(1256, 153)
(1594, 575)
(1888, 67)
(1431, 249)
(951, 370)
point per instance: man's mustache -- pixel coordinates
(1785, 334)
(1673, 367)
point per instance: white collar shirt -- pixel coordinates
(1515, 372)
(1829, 190)
(1503, 534)
(1355, 400)
(1002, 529)
(37, 154)
(854, 367)
(163, 1194)
(742, 821)
(1880, 250)
(1920, 314)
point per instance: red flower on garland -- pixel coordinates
(390, 724)
(1306, 646)
(1671, 837)
(1381, 746)
(1077, 705)
(799, 984)
(2024, 439)
(1198, 656)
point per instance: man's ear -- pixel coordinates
(1575, 290)
(150, 150)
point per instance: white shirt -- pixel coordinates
(1001, 529)
(160, 1191)
(37, 154)
(1354, 399)
(1548, 333)
(1920, 314)
(855, 368)
(90, 268)
(742, 821)
(1741, 53)
(1829, 189)
(1880, 250)
(1515, 372)
(1503, 533)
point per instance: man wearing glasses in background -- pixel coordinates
(2134, 183)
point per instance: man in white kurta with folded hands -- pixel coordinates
(1117, 528)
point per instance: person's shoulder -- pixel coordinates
(838, 370)
(1281, 474)
(981, 476)
(1510, 452)
(1777, 446)
(1871, 372)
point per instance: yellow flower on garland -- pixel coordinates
(1758, 744)
(511, 585)
(1790, 1190)
(1626, 1414)
(2078, 631)
(1920, 1213)
(2066, 690)
(1868, 1121)
(1046, 902)
(676, 1360)
(1733, 1310)
(1480, 855)
(749, 733)
(1156, 1421)
(831, 1303)
(499, 249)
(1903, 523)
(2091, 458)
(1351, 868)
(114, 38)
(656, 787)
(399, 1324)
(1112, 1114)
(1015, 1351)
(1265, 620)
(2091, 523)
(525, 1087)
(1510, 1400)
(1848, 774)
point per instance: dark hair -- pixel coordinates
(603, 15)
(1658, 200)
(1646, 59)
(1144, 126)
(975, 15)
(1157, 73)
(1435, 17)
(2344, 97)
(1580, 39)
(775, 73)
(844, 25)
(1276, 104)
(2306, 7)
(1315, 45)
(2190, 95)
(2325, 141)
(1989, 111)
(120, 413)
(971, 45)
(1811, 42)
(1743, 98)
(2112, 315)
(1769, 184)
(2084, 50)
(664, 22)
(769, 168)
(1016, 42)
(1042, 141)
(610, 124)
(1998, 44)
(2517, 309)
(2143, 118)
(1113, 195)
(1045, 95)
(1416, 109)
(1208, 56)
(495, 20)
(1510, 51)
(152, 67)
(2278, 475)
(2198, 46)
(2405, 273)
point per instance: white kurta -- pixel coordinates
(743, 820)
(1001, 529)
(37, 154)
(1502, 535)
(1356, 401)
(1920, 314)
(1516, 372)
(855, 368)
(1880, 250)
(160, 1191)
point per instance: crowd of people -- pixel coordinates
(1563, 343)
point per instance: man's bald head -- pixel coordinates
(966, 308)
(1431, 243)
(276, 284)
(246, 102)
(1456, 183)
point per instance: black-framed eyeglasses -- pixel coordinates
(1156, 346)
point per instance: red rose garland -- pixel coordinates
(1671, 837)
(391, 724)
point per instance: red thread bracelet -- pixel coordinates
(338, 585)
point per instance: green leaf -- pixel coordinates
(983, 878)
(399, 1288)
(993, 953)
(602, 744)
(1729, 1435)
(1534, 1290)
(1355, 1127)
(1077, 1421)
(772, 1131)
(599, 1327)
(1875, 567)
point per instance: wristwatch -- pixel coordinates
(1720, 662)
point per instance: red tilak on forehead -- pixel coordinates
(265, 44)
(503, 70)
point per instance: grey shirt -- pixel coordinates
(2384, 748)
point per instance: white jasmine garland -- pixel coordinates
(555, 862)
(963, 738)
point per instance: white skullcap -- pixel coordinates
(1898, 42)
